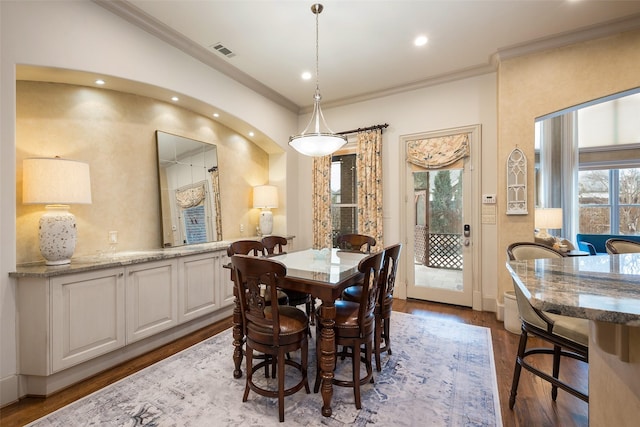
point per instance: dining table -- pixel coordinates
(323, 273)
(605, 289)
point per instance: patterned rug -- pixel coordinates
(440, 374)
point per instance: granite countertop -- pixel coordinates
(604, 287)
(118, 259)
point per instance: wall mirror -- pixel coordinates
(189, 190)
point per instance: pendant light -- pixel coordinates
(317, 139)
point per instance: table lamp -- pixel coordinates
(265, 197)
(57, 183)
(545, 219)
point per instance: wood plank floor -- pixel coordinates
(534, 406)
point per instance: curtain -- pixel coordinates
(433, 153)
(217, 206)
(190, 197)
(369, 173)
(322, 227)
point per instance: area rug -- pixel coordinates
(441, 373)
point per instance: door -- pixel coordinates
(440, 226)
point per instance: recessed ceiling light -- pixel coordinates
(420, 40)
(306, 75)
(100, 82)
(251, 133)
(216, 115)
(174, 98)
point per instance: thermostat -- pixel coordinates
(489, 199)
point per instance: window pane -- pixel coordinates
(344, 221)
(629, 220)
(336, 183)
(343, 173)
(629, 192)
(593, 187)
(594, 220)
(343, 195)
(445, 201)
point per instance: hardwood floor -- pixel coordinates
(533, 407)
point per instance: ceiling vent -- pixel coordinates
(223, 50)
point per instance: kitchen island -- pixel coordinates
(606, 290)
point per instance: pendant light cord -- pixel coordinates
(317, 9)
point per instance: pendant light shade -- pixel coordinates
(317, 139)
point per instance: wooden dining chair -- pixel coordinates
(255, 248)
(568, 335)
(273, 330)
(274, 245)
(246, 247)
(355, 327)
(355, 242)
(385, 301)
(622, 246)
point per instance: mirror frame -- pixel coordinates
(190, 205)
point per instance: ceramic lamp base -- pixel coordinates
(57, 235)
(266, 222)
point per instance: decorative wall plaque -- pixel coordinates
(517, 183)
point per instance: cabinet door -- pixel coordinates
(226, 284)
(87, 316)
(152, 298)
(197, 284)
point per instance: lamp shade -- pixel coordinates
(55, 181)
(548, 218)
(317, 145)
(265, 196)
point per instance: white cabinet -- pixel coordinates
(71, 319)
(151, 298)
(66, 320)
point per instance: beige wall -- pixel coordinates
(115, 133)
(534, 85)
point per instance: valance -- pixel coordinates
(190, 197)
(433, 153)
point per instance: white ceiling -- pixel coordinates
(366, 47)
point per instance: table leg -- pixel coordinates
(238, 338)
(327, 360)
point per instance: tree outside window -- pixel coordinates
(609, 201)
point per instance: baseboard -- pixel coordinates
(489, 304)
(500, 311)
(9, 390)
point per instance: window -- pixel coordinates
(588, 163)
(344, 193)
(609, 201)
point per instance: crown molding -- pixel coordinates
(139, 18)
(605, 29)
(431, 81)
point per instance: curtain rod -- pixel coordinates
(346, 132)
